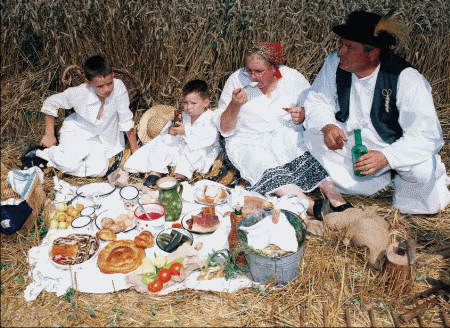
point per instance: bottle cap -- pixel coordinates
(238, 209)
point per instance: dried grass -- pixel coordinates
(164, 44)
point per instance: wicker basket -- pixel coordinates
(35, 199)
(74, 76)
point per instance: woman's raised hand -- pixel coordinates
(239, 97)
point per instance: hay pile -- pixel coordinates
(42, 38)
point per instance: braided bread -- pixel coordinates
(120, 256)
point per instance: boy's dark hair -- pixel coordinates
(95, 66)
(199, 86)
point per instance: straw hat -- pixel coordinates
(153, 121)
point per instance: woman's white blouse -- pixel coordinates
(264, 136)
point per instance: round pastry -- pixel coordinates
(128, 223)
(106, 222)
(144, 240)
(122, 226)
(115, 228)
(106, 234)
(120, 256)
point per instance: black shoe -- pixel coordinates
(151, 180)
(321, 208)
(341, 208)
(36, 161)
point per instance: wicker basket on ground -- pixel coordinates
(35, 199)
(74, 76)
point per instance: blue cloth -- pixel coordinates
(14, 216)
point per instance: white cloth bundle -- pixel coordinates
(265, 232)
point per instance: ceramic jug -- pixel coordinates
(170, 197)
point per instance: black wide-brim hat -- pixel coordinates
(360, 27)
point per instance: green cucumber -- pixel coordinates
(162, 243)
(165, 237)
(185, 239)
(176, 240)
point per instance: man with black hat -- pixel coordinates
(365, 86)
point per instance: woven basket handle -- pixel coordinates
(67, 76)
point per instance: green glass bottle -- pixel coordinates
(357, 151)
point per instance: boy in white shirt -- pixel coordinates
(191, 145)
(91, 135)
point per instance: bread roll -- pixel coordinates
(115, 228)
(144, 240)
(107, 222)
(106, 234)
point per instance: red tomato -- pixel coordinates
(164, 275)
(176, 225)
(175, 268)
(155, 286)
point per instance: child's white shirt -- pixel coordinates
(195, 150)
(116, 115)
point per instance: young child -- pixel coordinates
(190, 145)
(91, 135)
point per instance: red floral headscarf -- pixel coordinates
(272, 52)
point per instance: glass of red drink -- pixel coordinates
(157, 215)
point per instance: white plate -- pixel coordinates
(65, 233)
(96, 189)
(188, 215)
(108, 213)
(198, 191)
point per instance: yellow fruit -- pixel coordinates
(69, 208)
(69, 219)
(61, 217)
(79, 207)
(61, 207)
(72, 212)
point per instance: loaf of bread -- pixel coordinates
(214, 194)
(122, 256)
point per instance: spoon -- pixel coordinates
(251, 85)
(143, 210)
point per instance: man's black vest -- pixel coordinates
(385, 123)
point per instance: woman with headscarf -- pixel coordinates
(263, 130)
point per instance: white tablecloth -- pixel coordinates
(88, 278)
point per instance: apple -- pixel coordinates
(62, 217)
(62, 207)
(54, 224)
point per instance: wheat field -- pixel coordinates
(164, 44)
